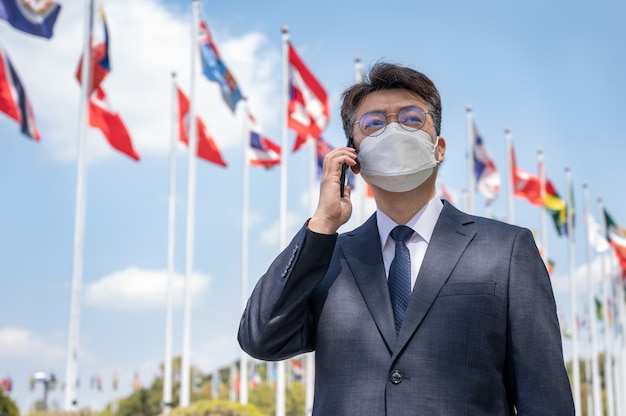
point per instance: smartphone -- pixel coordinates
(344, 171)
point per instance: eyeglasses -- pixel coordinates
(410, 118)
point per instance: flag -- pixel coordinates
(34, 17)
(261, 150)
(255, 377)
(556, 207)
(308, 110)
(297, 369)
(99, 53)
(323, 147)
(13, 100)
(487, 177)
(214, 69)
(207, 149)
(525, 184)
(102, 116)
(616, 236)
(595, 236)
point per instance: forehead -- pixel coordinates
(388, 101)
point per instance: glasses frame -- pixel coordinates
(379, 132)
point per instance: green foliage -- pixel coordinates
(262, 396)
(296, 400)
(82, 412)
(217, 408)
(7, 405)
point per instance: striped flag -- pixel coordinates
(261, 150)
(13, 100)
(308, 110)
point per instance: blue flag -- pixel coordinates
(215, 70)
(36, 18)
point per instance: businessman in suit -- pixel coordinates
(423, 309)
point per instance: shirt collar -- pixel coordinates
(423, 222)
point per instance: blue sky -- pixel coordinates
(550, 71)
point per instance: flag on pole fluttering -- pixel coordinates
(308, 110)
(595, 236)
(103, 117)
(261, 150)
(101, 114)
(214, 69)
(100, 64)
(616, 235)
(207, 149)
(34, 17)
(525, 184)
(487, 177)
(13, 100)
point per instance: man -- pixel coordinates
(453, 315)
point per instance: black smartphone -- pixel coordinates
(344, 172)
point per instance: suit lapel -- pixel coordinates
(364, 257)
(452, 233)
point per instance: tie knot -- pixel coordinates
(401, 233)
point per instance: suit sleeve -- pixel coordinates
(277, 322)
(535, 366)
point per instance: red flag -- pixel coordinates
(13, 100)
(207, 149)
(308, 110)
(99, 51)
(525, 184)
(110, 123)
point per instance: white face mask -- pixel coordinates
(397, 160)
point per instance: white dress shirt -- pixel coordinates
(423, 223)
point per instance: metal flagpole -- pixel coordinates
(595, 370)
(71, 372)
(470, 161)
(171, 238)
(280, 365)
(573, 293)
(510, 183)
(542, 210)
(191, 198)
(245, 198)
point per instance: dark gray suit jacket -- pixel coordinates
(480, 336)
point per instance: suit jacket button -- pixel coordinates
(396, 377)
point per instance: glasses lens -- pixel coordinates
(373, 123)
(412, 118)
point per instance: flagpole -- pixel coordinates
(470, 160)
(245, 198)
(191, 198)
(573, 292)
(509, 152)
(167, 364)
(609, 374)
(621, 312)
(595, 371)
(280, 365)
(608, 280)
(361, 194)
(71, 372)
(310, 357)
(542, 210)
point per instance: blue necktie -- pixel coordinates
(400, 274)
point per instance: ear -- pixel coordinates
(440, 150)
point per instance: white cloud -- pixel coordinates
(19, 343)
(147, 43)
(136, 289)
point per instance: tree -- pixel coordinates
(7, 405)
